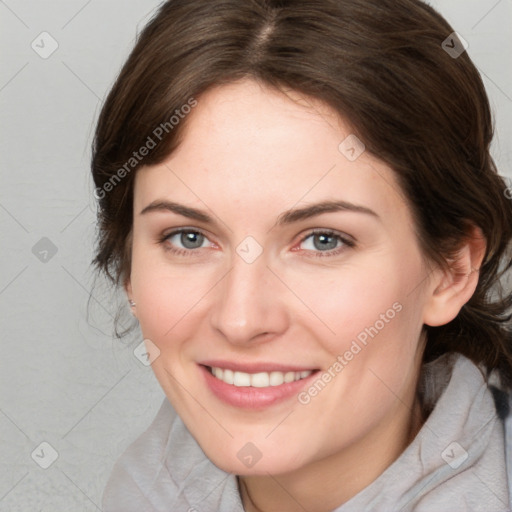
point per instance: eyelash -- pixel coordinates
(347, 243)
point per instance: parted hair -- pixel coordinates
(386, 68)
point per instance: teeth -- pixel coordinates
(228, 376)
(289, 377)
(241, 379)
(276, 379)
(258, 380)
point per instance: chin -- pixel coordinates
(249, 461)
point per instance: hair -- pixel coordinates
(382, 66)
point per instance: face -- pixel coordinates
(267, 254)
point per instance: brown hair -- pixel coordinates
(382, 65)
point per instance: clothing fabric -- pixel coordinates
(460, 460)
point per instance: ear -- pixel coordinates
(452, 288)
(129, 293)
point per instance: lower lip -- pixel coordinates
(248, 397)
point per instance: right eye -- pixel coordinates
(184, 241)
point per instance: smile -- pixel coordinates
(257, 380)
(254, 388)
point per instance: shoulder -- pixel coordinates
(165, 469)
(131, 485)
(503, 403)
(504, 409)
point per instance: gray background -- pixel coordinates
(63, 379)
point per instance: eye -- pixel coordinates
(184, 241)
(325, 243)
(319, 242)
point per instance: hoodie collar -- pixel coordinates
(455, 462)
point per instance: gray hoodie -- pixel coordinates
(460, 461)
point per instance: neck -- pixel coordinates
(326, 484)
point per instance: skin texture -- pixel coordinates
(249, 154)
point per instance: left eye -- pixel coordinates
(323, 242)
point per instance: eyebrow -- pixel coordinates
(288, 217)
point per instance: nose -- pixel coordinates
(249, 304)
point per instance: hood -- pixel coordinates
(456, 462)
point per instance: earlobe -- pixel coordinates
(129, 293)
(455, 286)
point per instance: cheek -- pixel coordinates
(173, 300)
(166, 310)
(369, 323)
(170, 303)
(375, 350)
(351, 303)
(167, 296)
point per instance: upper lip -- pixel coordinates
(256, 367)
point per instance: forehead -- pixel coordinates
(252, 145)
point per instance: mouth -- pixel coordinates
(257, 380)
(255, 389)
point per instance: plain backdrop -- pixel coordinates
(64, 381)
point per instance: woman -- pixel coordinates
(299, 200)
